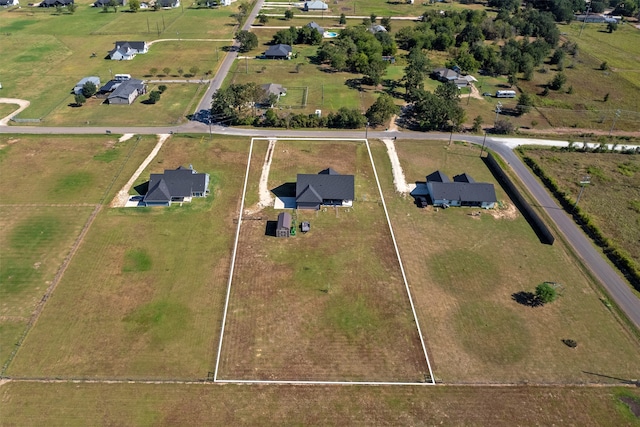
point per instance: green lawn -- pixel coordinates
(471, 267)
(147, 283)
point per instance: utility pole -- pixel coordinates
(586, 180)
(615, 117)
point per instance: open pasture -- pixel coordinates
(66, 169)
(327, 305)
(143, 295)
(466, 274)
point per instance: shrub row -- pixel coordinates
(618, 256)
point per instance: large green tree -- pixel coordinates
(381, 111)
(247, 40)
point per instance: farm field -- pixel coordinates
(330, 304)
(44, 54)
(613, 197)
(148, 284)
(475, 266)
(58, 404)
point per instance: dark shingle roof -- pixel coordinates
(463, 177)
(125, 89)
(316, 27)
(282, 50)
(137, 45)
(324, 186)
(464, 191)
(181, 182)
(437, 176)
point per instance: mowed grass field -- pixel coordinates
(49, 185)
(143, 295)
(613, 197)
(58, 404)
(327, 305)
(44, 54)
(464, 271)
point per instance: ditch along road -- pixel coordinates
(618, 289)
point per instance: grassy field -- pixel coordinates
(331, 304)
(66, 169)
(473, 266)
(148, 284)
(44, 54)
(612, 198)
(174, 404)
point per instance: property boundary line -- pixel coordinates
(232, 268)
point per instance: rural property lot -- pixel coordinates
(327, 305)
(465, 272)
(143, 295)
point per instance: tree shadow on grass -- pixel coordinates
(526, 298)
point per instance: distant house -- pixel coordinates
(103, 3)
(7, 3)
(178, 185)
(315, 5)
(316, 27)
(445, 74)
(597, 19)
(376, 28)
(283, 228)
(126, 91)
(278, 51)
(169, 3)
(125, 51)
(327, 188)
(272, 90)
(93, 79)
(54, 3)
(462, 191)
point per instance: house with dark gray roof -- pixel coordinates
(272, 91)
(126, 91)
(103, 3)
(125, 51)
(327, 188)
(316, 27)
(278, 51)
(462, 191)
(54, 3)
(177, 185)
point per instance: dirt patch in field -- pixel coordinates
(508, 211)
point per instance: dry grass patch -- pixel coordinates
(464, 273)
(66, 404)
(327, 305)
(147, 284)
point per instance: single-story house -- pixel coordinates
(278, 51)
(315, 5)
(283, 228)
(7, 3)
(93, 79)
(445, 74)
(327, 188)
(596, 19)
(169, 3)
(124, 51)
(462, 191)
(178, 185)
(377, 28)
(127, 91)
(460, 83)
(103, 3)
(316, 27)
(54, 3)
(270, 90)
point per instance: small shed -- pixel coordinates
(283, 229)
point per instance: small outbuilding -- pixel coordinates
(283, 228)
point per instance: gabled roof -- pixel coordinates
(308, 195)
(273, 88)
(324, 186)
(319, 5)
(437, 176)
(316, 27)
(136, 45)
(110, 85)
(477, 192)
(126, 88)
(282, 50)
(93, 79)
(101, 3)
(328, 171)
(377, 28)
(180, 182)
(463, 177)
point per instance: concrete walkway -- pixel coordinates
(22, 103)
